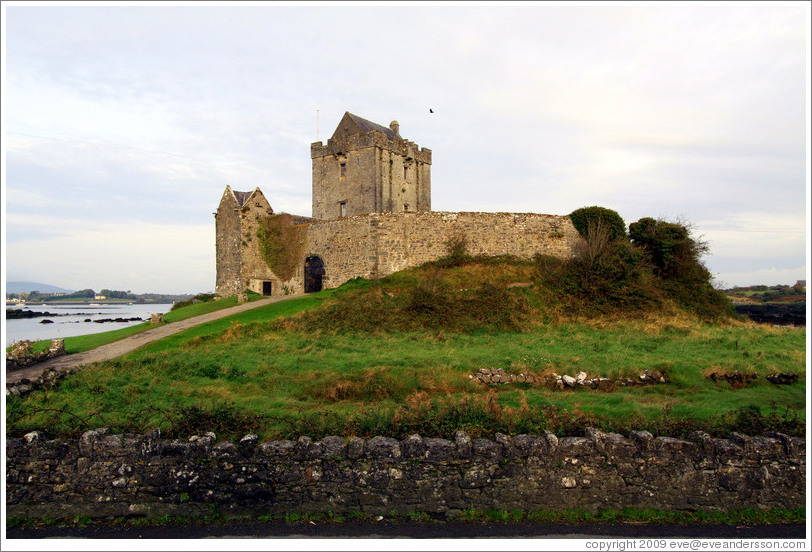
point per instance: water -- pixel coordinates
(73, 323)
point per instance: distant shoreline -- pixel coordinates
(88, 302)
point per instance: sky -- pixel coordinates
(123, 123)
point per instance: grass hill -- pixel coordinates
(398, 356)
(634, 314)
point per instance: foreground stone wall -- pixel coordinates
(120, 475)
(379, 244)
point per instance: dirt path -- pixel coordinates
(128, 344)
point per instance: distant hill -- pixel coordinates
(25, 287)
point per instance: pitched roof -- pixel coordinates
(366, 125)
(241, 197)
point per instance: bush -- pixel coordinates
(585, 217)
(199, 298)
(668, 245)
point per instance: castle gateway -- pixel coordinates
(371, 217)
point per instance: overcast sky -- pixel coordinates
(123, 124)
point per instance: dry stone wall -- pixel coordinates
(126, 475)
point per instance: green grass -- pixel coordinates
(394, 357)
(748, 516)
(245, 373)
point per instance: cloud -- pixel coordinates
(139, 116)
(141, 257)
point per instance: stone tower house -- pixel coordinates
(371, 217)
(368, 168)
(239, 263)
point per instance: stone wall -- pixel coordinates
(379, 244)
(120, 475)
(22, 354)
(239, 261)
(379, 174)
(227, 246)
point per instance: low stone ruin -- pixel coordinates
(740, 379)
(734, 378)
(156, 318)
(782, 379)
(499, 376)
(22, 354)
(582, 379)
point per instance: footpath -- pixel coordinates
(128, 344)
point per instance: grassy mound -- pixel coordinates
(475, 294)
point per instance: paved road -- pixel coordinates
(126, 345)
(389, 530)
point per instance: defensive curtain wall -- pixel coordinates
(102, 475)
(378, 244)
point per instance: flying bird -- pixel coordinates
(431, 110)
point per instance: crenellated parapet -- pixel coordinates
(339, 146)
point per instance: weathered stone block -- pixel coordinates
(383, 448)
(440, 450)
(277, 448)
(484, 448)
(412, 447)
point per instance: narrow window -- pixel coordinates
(405, 172)
(343, 208)
(405, 206)
(343, 170)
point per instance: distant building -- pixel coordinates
(99, 297)
(800, 284)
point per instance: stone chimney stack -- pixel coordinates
(395, 127)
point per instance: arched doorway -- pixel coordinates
(313, 274)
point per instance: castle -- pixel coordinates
(371, 217)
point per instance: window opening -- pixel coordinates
(342, 208)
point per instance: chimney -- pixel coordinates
(395, 127)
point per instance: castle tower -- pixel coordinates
(239, 261)
(369, 168)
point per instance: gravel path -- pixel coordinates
(128, 344)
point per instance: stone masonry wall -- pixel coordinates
(253, 268)
(374, 178)
(125, 475)
(227, 244)
(379, 244)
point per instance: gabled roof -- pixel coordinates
(364, 125)
(242, 197)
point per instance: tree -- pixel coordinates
(585, 217)
(669, 246)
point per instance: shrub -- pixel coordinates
(668, 245)
(674, 256)
(199, 298)
(456, 248)
(611, 220)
